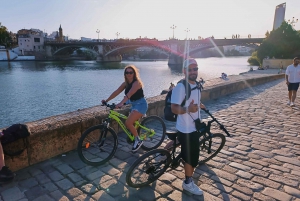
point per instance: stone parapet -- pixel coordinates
(59, 134)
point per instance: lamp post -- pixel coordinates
(187, 31)
(98, 31)
(293, 22)
(117, 34)
(173, 27)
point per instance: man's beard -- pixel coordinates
(193, 77)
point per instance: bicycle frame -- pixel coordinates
(206, 134)
(116, 116)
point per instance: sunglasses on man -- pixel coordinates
(192, 69)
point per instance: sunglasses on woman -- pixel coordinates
(128, 72)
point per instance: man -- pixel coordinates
(5, 174)
(187, 134)
(292, 78)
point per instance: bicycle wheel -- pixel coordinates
(158, 125)
(217, 143)
(97, 145)
(148, 168)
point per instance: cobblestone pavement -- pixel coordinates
(261, 161)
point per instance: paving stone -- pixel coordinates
(211, 189)
(167, 177)
(64, 169)
(259, 196)
(225, 175)
(55, 176)
(259, 172)
(163, 189)
(13, 193)
(238, 151)
(74, 177)
(284, 180)
(110, 170)
(280, 168)
(223, 187)
(240, 166)
(94, 175)
(83, 198)
(292, 167)
(34, 171)
(89, 188)
(241, 196)
(113, 187)
(57, 195)
(42, 178)
(35, 192)
(178, 195)
(50, 186)
(73, 192)
(277, 194)
(292, 191)
(28, 183)
(65, 184)
(263, 153)
(43, 198)
(250, 184)
(293, 161)
(253, 165)
(102, 195)
(244, 175)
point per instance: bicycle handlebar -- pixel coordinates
(111, 106)
(222, 127)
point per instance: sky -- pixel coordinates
(146, 18)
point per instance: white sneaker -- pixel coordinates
(292, 104)
(288, 103)
(192, 188)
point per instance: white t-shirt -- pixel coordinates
(185, 122)
(293, 73)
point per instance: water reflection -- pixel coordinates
(31, 90)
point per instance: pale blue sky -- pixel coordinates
(146, 18)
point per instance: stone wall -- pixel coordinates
(276, 63)
(59, 134)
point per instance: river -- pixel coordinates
(31, 90)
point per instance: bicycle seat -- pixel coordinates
(171, 134)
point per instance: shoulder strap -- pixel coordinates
(187, 88)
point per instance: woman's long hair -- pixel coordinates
(136, 75)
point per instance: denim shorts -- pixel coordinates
(139, 105)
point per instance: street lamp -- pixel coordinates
(117, 34)
(187, 31)
(98, 31)
(173, 27)
(293, 22)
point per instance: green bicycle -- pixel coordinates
(98, 144)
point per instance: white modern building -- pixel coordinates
(279, 15)
(30, 40)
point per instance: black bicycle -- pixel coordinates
(150, 166)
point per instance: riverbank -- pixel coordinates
(58, 134)
(259, 161)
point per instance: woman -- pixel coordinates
(134, 93)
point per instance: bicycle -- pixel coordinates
(98, 144)
(150, 166)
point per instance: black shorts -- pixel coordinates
(190, 147)
(293, 86)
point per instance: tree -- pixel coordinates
(267, 34)
(5, 38)
(282, 43)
